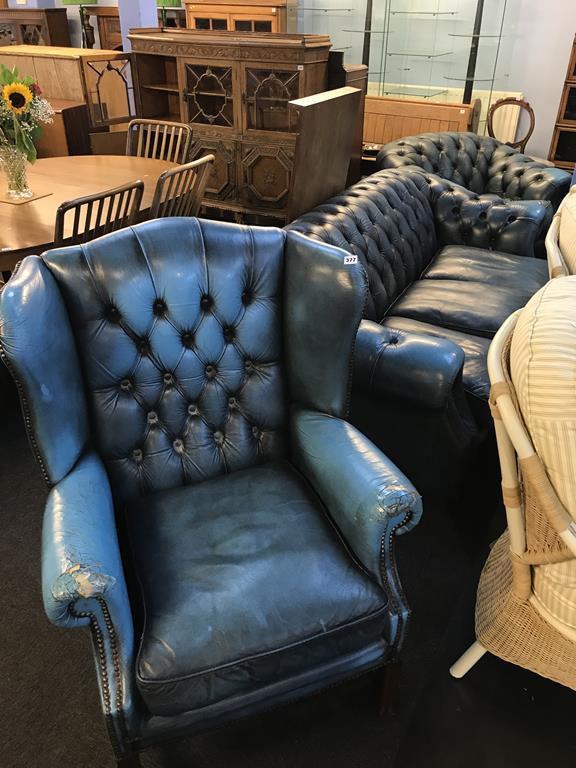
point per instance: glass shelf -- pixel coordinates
(475, 79)
(328, 10)
(406, 55)
(424, 13)
(368, 31)
(414, 92)
(458, 34)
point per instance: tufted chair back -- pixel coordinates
(181, 356)
(387, 220)
(482, 164)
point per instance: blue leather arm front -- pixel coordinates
(83, 581)
(366, 495)
(422, 370)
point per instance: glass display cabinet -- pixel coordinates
(450, 51)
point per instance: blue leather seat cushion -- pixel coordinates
(466, 306)
(506, 270)
(245, 581)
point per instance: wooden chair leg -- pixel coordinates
(390, 685)
(132, 761)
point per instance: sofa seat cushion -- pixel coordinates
(506, 270)
(245, 582)
(475, 372)
(466, 306)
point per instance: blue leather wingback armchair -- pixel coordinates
(212, 517)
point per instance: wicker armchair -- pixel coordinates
(561, 238)
(526, 602)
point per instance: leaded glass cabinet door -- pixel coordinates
(209, 93)
(267, 92)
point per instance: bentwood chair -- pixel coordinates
(159, 140)
(179, 191)
(526, 602)
(523, 106)
(213, 518)
(86, 218)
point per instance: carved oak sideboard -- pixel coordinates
(234, 89)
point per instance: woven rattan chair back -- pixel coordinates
(159, 140)
(179, 191)
(85, 218)
(540, 531)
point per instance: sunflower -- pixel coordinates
(17, 97)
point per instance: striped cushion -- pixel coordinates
(567, 233)
(543, 369)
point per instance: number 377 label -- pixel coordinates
(351, 259)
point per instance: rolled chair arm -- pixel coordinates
(367, 496)
(412, 367)
(488, 221)
(519, 176)
(83, 585)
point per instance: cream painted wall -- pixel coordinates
(543, 31)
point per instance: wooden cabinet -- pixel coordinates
(98, 79)
(235, 92)
(253, 16)
(32, 26)
(563, 146)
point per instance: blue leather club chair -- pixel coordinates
(212, 517)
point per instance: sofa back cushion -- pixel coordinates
(178, 327)
(387, 221)
(463, 158)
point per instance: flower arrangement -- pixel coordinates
(23, 110)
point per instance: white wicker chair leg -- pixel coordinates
(470, 657)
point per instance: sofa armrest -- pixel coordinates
(392, 364)
(367, 496)
(83, 583)
(520, 177)
(487, 221)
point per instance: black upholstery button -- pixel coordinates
(246, 296)
(511, 219)
(168, 378)
(206, 302)
(232, 402)
(249, 366)
(137, 455)
(229, 334)
(482, 215)
(178, 445)
(126, 385)
(538, 178)
(218, 437)
(188, 339)
(143, 346)
(152, 417)
(256, 432)
(456, 210)
(210, 371)
(113, 314)
(193, 410)
(159, 307)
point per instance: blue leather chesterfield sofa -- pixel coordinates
(212, 517)
(446, 267)
(479, 163)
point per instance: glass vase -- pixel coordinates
(14, 163)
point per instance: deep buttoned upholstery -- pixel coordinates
(479, 163)
(212, 516)
(446, 267)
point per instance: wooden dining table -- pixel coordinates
(29, 227)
